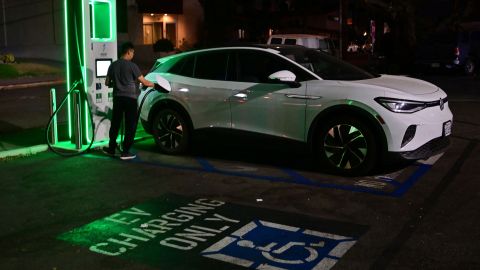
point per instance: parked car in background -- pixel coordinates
(317, 42)
(454, 50)
(436, 51)
(349, 118)
(467, 51)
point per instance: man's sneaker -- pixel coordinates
(126, 156)
(108, 151)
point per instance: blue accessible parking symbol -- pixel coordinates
(266, 245)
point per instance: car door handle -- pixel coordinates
(241, 95)
(302, 96)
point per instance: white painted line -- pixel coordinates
(245, 229)
(219, 245)
(269, 267)
(370, 184)
(325, 264)
(341, 248)
(326, 235)
(431, 160)
(230, 259)
(279, 226)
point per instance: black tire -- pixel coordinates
(346, 146)
(171, 132)
(470, 67)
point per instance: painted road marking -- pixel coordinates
(395, 184)
(280, 247)
(370, 184)
(203, 233)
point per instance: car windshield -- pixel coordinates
(326, 66)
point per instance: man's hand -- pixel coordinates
(145, 81)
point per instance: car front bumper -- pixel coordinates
(433, 147)
(429, 123)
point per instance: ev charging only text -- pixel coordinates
(146, 227)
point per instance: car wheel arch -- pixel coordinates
(353, 111)
(170, 104)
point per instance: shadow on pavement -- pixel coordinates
(262, 150)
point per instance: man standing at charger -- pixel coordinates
(123, 75)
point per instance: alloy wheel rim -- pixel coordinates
(345, 146)
(469, 66)
(170, 131)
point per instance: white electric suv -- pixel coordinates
(350, 118)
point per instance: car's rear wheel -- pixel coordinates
(346, 146)
(171, 132)
(470, 66)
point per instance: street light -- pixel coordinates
(4, 24)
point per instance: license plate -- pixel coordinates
(447, 128)
(435, 65)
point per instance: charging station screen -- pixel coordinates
(101, 67)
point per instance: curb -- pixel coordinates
(26, 151)
(28, 85)
(32, 150)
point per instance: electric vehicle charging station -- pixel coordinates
(90, 48)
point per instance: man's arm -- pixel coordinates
(107, 81)
(145, 81)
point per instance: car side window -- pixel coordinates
(276, 41)
(256, 66)
(290, 41)
(211, 65)
(184, 66)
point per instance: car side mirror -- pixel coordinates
(285, 76)
(162, 84)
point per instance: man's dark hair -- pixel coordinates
(125, 47)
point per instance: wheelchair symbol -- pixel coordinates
(267, 245)
(270, 254)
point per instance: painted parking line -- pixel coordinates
(394, 185)
(173, 232)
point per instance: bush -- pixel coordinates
(7, 58)
(163, 45)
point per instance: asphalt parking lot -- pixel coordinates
(231, 206)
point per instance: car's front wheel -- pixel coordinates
(346, 146)
(171, 132)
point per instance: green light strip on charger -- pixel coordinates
(84, 75)
(67, 53)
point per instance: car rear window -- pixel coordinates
(276, 41)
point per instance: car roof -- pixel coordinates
(298, 36)
(272, 48)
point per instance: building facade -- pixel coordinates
(35, 28)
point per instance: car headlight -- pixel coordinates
(401, 106)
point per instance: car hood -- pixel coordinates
(402, 84)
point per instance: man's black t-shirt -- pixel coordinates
(124, 75)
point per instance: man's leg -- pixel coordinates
(130, 123)
(118, 109)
